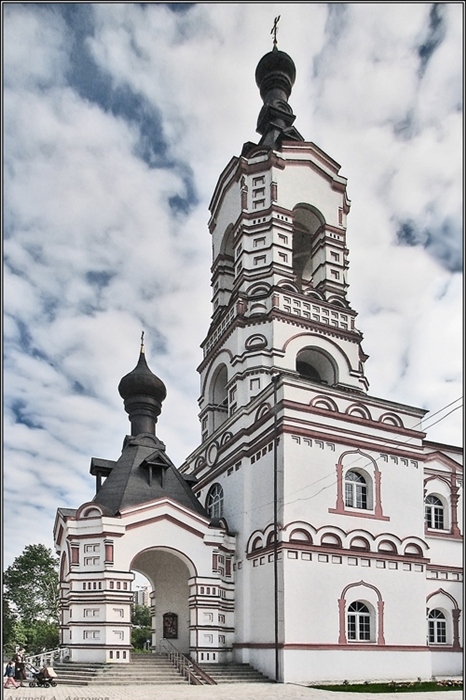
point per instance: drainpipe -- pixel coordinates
(275, 378)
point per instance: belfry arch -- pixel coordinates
(307, 220)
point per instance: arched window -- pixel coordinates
(359, 622)
(434, 513)
(214, 501)
(316, 366)
(355, 490)
(437, 627)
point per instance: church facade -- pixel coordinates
(315, 531)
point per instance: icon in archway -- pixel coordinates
(170, 625)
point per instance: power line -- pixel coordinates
(376, 459)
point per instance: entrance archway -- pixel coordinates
(168, 572)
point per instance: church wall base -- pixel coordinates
(365, 665)
(322, 666)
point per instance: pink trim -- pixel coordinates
(337, 647)
(340, 508)
(109, 552)
(342, 616)
(380, 619)
(342, 620)
(456, 628)
(171, 519)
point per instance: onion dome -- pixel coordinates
(275, 70)
(143, 393)
(142, 382)
(275, 76)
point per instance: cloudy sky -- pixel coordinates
(118, 119)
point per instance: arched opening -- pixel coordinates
(167, 574)
(141, 614)
(224, 271)
(314, 365)
(219, 396)
(360, 622)
(434, 513)
(307, 220)
(214, 502)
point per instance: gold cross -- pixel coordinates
(275, 29)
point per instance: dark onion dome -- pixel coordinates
(275, 69)
(142, 382)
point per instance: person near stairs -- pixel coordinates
(10, 676)
(20, 666)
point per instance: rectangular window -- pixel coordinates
(91, 561)
(259, 192)
(259, 204)
(221, 619)
(283, 238)
(437, 632)
(91, 634)
(258, 181)
(258, 242)
(260, 260)
(335, 274)
(335, 256)
(91, 612)
(91, 547)
(221, 639)
(283, 257)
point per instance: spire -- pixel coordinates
(143, 393)
(275, 76)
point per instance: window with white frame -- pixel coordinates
(355, 490)
(91, 547)
(359, 622)
(91, 634)
(437, 627)
(214, 501)
(435, 513)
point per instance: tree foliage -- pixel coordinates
(31, 585)
(30, 601)
(139, 637)
(141, 619)
(141, 616)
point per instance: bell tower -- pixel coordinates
(296, 458)
(280, 262)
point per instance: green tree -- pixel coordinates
(141, 616)
(139, 636)
(31, 586)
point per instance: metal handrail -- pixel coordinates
(48, 657)
(194, 673)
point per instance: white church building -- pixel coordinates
(315, 531)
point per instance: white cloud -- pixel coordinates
(104, 127)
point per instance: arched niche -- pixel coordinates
(317, 366)
(218, 388)
(226, 246)
(307, 220)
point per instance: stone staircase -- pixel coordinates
(149, 669)
(144, 669)
(234, 673)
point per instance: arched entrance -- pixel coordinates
(168, 572)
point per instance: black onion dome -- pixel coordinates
(275, 67)
(142, 382)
